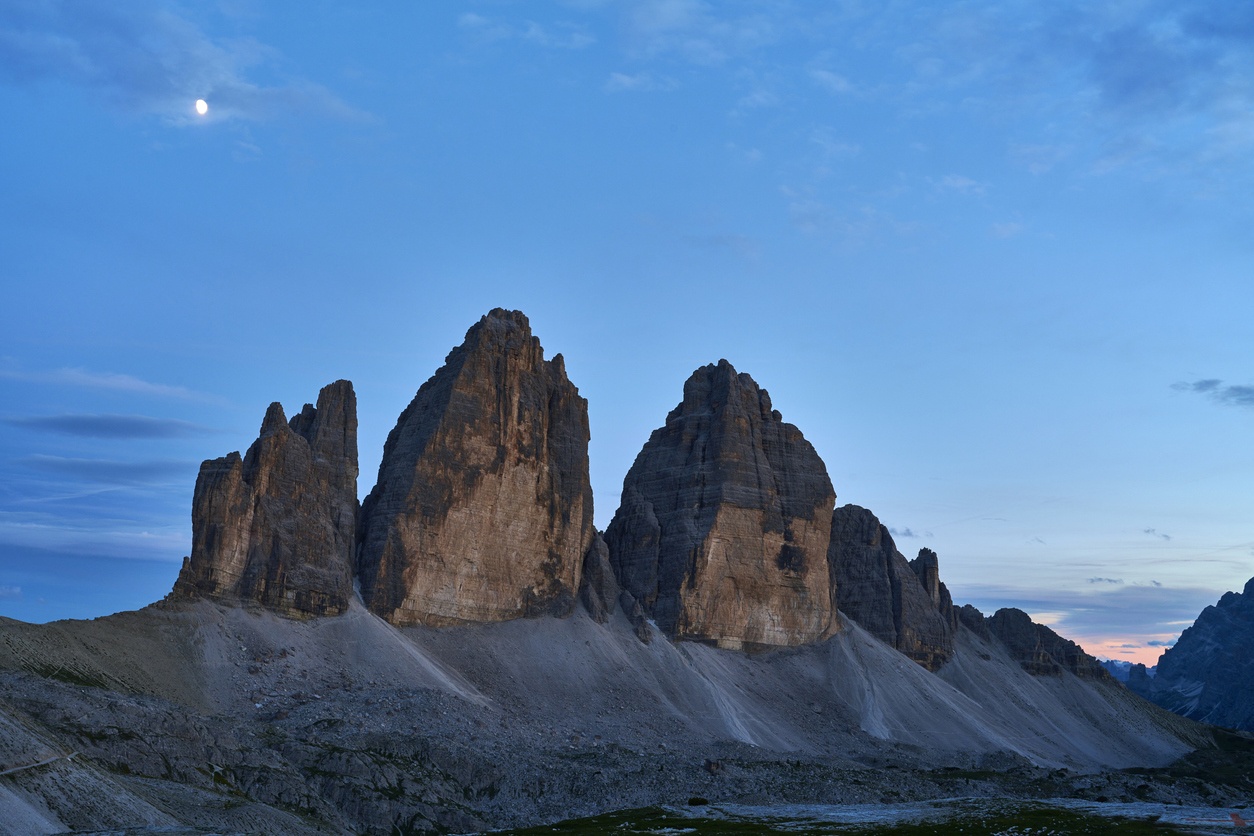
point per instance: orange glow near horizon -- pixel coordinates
(1123, 648)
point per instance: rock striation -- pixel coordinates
(724, 522)
(1207, 674)
(900, 602)
(1039, 650)
(277, 527)
(483, 506)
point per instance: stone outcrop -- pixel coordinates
(1038, 649)
(902, 603)
(483, 507)
(724, 522)
(599, 590)
(277, 526)
(1207, 674)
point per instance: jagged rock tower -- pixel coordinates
(724, 523)
(277, 527)
(483, 507)
(899, 602)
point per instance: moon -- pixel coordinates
(202, 107)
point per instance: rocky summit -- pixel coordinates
(277, 527)
(1207, 675)
(483, 506)
(899, 602)
(725, 517)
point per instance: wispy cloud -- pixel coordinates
(1155, 533)
(638, 82)
(696, 31)
(109, 472)
(1106, 580)
(110, 426)
(901, 532)
(960, 184)
(95, 537)
(561, 35)
(146, 57)
(104, 380)
(10, 592)
(830, 81)
(1236, 395)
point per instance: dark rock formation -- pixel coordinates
(971, 618)
(1038, 649)
(926, 568)
(724, 522)
(1208, 675)
(277, 527)
(483, 508)
(599, 590)
(901, 603)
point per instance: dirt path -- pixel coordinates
(41, 763)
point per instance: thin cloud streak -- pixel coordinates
(105, 425)
(110, 472)
(110, 381)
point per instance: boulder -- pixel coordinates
(277, 527)
(483, 507)
(722, 531)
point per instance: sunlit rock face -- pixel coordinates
(725, 517)
(902, 603)
(483, 508)
(277, 526)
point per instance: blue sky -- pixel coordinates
(993, 259)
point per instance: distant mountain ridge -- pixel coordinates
(1208, 675)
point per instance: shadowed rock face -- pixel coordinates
(1038, 649)
(483, 508)
(724, 522)
(277, 527)
(902, 603)
(1207, 675)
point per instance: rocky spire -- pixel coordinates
(902, 603)
(483, 507)
(277, 527)
(724, 522)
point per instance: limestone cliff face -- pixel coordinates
(725, 517)
(1038, 649)
(277, 527)
(902, 603)
(483, 507)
